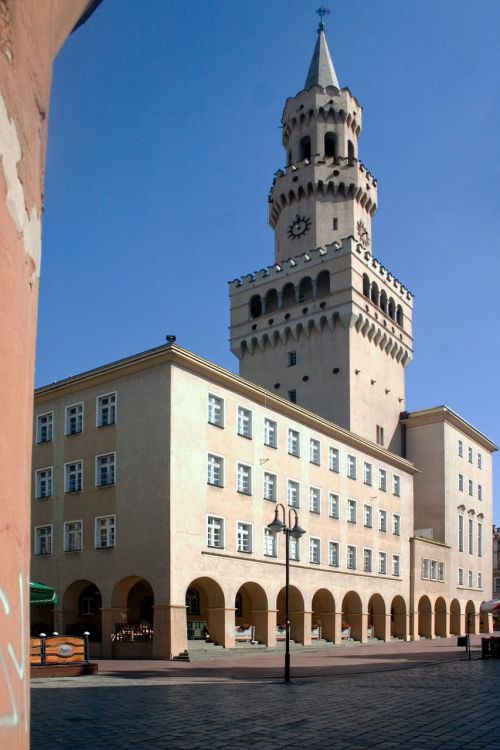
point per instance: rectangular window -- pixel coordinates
(351, 511)
(426, 568)
(105, 470)
(291, 359)
(470, 456)
(469, 578)
(396, 565)
(396, 485)
(471, 536)
(479, 539)
(244, 537)
(244, 479)
(215, 470)
(396, 524)
(461, 482)
(270, 487)
(479, 492)
(367, 473)
(460, 449)
(314, 452)
(106, 410)
(43, 483)
(244, 422)
(215, 410)
(74, 419)
(351, 467)
(105, 532)
(380, 435)
(44, 427)
(479, 461)
(434, 570)
(43, 540)
(480, 580)
(293, 494)
(333, 505)
(382, 563)
(294, 548)
(215, 532)
(293, 443)
(382, 480)
(314, 500)
(270, 544)
(382, 520)
(460, 576)
(73, 476)
(292, 396)
(367, 560)
(440, 571)
(270, 433)
(368, 516)
(351, 557)
(471, 488)
(334, 459)
(73, 536)
(335, 225)
(314, 550)
(460, 533)
(334, 554)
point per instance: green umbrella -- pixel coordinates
(41, 594)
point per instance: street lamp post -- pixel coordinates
(296, 532)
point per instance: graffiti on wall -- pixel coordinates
(12, 661)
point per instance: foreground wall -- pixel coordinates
(31, 33)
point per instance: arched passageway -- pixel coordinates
(134, 596)
(440, 618)
(323, 615)
(251, 609)
(455, 624)
(81, 603)
(424, 617)
(470, 617)
(352, 615)
(205, 611)
(296, 607)
(377, 618)
(398, 618)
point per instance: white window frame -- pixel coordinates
(211, 531)
(48, 427)
(479, 460)
(441, 571)
(470, 455)
(293, 442)
(382, 520)
(270, 487)
(480, 580)
(315, 550)
(480, 492)
(351, 466)
(293, 487)
(110, 532)
(352, 510)
(244, 420)
(270, 548)
(367, 516)
(396, 485)
(105, 461)
(68, 418)
(68, 473)
(460, 482)
(215, 463)
(315, 500)
(102, 408)
(69, 536)
(351, 555)
(334, 554)
(270, 433)
(382, 480)
(314, 452)
(396, 524)
(460, 533)
(334, 505)
(367, 473)
(460, 448)
(215, 410)
(426, 568)
(243, 479)
(470, 536)
(460, 577)
(244, 537)
(470, 579)
(434, 570)
(396, 565)
(367, 560)
(471, 488)
(382, 563)
(334, 459)
(48, 480)
(43, 540)
(294, 549)
(479, 539)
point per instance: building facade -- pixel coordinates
(155, 477)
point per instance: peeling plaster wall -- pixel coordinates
(31, 33)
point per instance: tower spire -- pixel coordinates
(321, 70)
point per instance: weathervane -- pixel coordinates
(322, 11)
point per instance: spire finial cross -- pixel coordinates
(322, 12)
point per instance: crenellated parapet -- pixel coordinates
(326, 106)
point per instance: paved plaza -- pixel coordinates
(422, 695)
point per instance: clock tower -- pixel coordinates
(327, 326)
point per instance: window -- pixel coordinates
(105, 532)
(334, 554)
(244, 537)
(367, 473)
(479, 461)
(351, 557)
(72, 536)
(270, 544)
(440, 571)
(471, 488)
(215, 532)
(215, 410)
(106, 410)
(479, 492)
(43, 483)
(314, 500)
(382, 563)
(244, 479)
(293, 494)
(396, 566)
(215, 470)
(382, 480)
(382, 520)
(351, 511)
(469, 578)
(333, 505)
(292, 396)
(426, 568)
(74, 419)
(105, 470)
(293, 443)
(480, 580)
(479, 539)
(460, 576)
(314, 550)
(291, 359)
(335, 224)
(497, 585)
(461, 482)
(334, 459)
(460, 533)
(434, 570)
(460, 449)
(367, 516)
(244, 422)
(396, 524)
(367, 560)
(73, 476)
(351, 467)
(380, 435)
(314, 452)
(192, 602)
(44, 427)
(270, 487)
(270, 433)
(294, 548)
(471, 536)
(470, 455)
(43, 540)
(396, 485)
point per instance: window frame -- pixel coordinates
(334, 459)
(268, 535)
(243, 477)
(396, 524)
(314, 451)
(351, 557)
(367, 560)
(367, 473)
(273, 496)
(100, 408)
(216, 410)
(382, 563)
(396, 485)
(334, 503)
(79, 417)
(39, 426)
(244, 422)
(396, 566)
(248, 528)
(352, 510)
(221, 468)
(222, 531)
(367, 516)
(382, 520)
(295, 485)
(293, 442)
(270, 426)
(317, 500)
(333, 545)
(38, 472)
(111, 532)
(66, 532)
(351, 468)
(382, 480)
(67, 475)
(111, 469)
(314, 550)
(37, 538)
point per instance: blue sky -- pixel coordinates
(163, 141)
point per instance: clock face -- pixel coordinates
(298, 227)
(363, 235)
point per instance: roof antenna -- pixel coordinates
(170, 339)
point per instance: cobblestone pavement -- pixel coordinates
(441, 706)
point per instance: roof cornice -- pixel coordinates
(443, 413)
